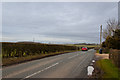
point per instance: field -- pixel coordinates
(78, 45)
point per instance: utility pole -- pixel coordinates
(33, 39)
(100, 36)
(119, 15)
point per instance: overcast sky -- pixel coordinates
(56, 22)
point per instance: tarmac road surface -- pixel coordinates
(68, 65)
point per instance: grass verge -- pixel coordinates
(109, 69)
(17, 60)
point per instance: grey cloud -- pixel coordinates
(74, 21)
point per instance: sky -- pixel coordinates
(56, 22)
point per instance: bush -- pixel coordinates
(105, 50)
(24, 49)
(113, 41)
(115, 56)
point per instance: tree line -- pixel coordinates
(25, 49)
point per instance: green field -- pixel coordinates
(82, 45)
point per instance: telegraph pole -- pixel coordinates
(33, 39)
(100, 36)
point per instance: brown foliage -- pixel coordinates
(115, 57)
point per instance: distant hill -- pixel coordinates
(85, 44)
(23, 42)
(28, 42)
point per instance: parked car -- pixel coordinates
(84, 48)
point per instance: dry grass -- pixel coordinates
(102, 56)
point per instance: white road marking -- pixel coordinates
(46, 68)
(80, 63)
(40, 71)
(73, 56)
(60, 61)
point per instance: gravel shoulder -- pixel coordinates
(101, 56)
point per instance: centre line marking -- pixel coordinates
(40, 71)
(73, 56)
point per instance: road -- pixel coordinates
(69, 65)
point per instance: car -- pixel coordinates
(84, 48)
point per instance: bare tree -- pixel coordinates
(112, 25)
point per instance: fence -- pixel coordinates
(115, 56)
